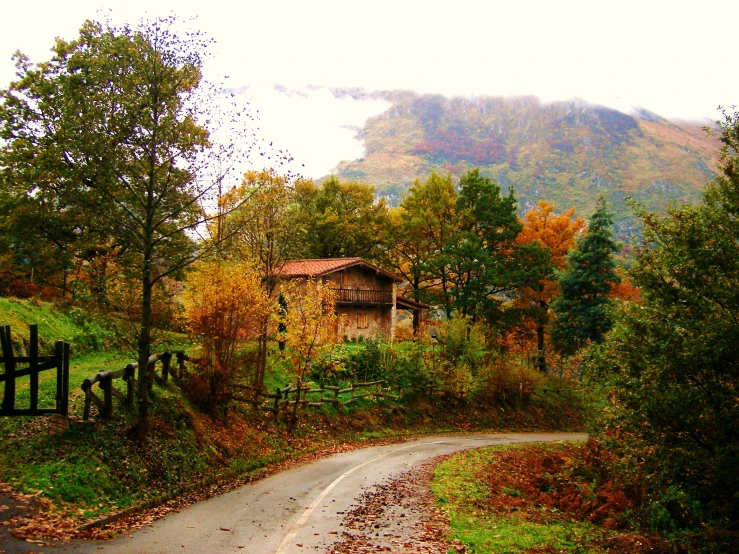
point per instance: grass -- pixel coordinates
(486, 521)
(99, 468)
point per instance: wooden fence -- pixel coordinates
(36, 364)
(105, 379)
(308, 396)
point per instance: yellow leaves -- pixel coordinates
(224, 304)
(309, 323)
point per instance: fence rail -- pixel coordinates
(104, 380)
(308, 396)
(36, 364)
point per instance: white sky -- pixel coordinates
(674, 58)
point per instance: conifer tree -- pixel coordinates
(582, 309)
(671, 362)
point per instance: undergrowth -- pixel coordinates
(550, 497)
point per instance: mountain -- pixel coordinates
(567, 153)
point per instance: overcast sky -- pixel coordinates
(674, 58)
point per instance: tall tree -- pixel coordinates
(263, 229)
(482, 256)
(671, 361)
(420, 229)
(110, 125)
(556, 233)
(341, 220)
(590, 273)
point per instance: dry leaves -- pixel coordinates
(397, 517)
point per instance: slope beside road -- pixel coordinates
(293, 511)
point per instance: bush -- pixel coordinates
(508, 382)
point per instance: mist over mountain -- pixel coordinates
(568, 153)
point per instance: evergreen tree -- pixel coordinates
(671, 361)
(582, 309)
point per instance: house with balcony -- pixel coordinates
(367, 298)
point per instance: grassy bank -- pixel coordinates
(89, 471)
(548, 497)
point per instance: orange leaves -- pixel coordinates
(556, 233)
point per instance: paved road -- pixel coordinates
(294, 511)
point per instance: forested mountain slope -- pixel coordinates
(567, 153)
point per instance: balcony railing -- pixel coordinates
(361, 296)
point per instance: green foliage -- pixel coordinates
(421, 228)
(671, 363)
(84, 331)
(476, 254)
(107, 136)
(340, 220)
(582, 309)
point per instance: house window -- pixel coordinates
(362, 320)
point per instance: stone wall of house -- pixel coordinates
(364, 321)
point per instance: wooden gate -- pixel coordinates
(36, 364)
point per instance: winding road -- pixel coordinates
(297, 510)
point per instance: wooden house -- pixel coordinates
(367, 297)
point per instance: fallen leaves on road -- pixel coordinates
(396, 517)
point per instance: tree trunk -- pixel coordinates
(541, 351)
(144, 347)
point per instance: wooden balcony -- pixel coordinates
(362, 296)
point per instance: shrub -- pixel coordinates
(508, 382)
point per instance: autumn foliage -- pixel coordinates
(224, 306)
(308, 326)
(556, 233)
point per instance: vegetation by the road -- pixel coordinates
(96, 469)
(538, 498)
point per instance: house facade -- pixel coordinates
(366, 295)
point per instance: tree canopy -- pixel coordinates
(590, 273)
(671, 361)
(107, 136)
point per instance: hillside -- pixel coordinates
(567, 153)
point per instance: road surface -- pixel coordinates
(297, 510)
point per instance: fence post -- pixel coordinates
(88, 400)
(130, 379)
(65, 381)
(166, 359)
(59, 357)
(277, 403)
(107, 385)
(151, 369)
(33, 366)
(181, 364)
(7, 345)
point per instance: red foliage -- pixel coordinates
(549, 479)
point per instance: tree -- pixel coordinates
(556, 234)
(671, 361)
(582, 308)
(309, 325)
(225, 305)
(341, 220)
(110, 125)
(420, 229)
(482, 256)
(262, 228)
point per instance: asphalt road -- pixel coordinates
(298, 510)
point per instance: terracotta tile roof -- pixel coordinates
(324, 266)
